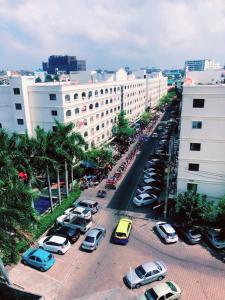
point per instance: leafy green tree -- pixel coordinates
(145, 118)
(122, 130)
(56, 77)
(192, 208)
(100, 156)
(38, 80)
(221, 216)
(48, 78)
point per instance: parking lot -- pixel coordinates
(99, 275)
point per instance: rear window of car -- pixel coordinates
(172, 286)
(49, 257)
(121, 234)
(95, 204)
(158, 266)
(66, 242)
(89, 239)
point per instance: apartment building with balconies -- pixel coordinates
(201, 162)
(92, 107)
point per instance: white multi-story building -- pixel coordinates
(201, 164)
(92, 107)
(202, 65)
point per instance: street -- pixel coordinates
(99, 275)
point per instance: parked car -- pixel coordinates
(153, 169)
(214, 238)
(155, 135)
(122, 231)
(167, 232)
(191, 234)
(153, 182)
(79, 212)
(101, 193)
(168, 290)
(149, 188)
(145, 273)
(54, 243)
(93, 238)
(154, 175)
(92, 205)
(71, 234)
(145, 199)
(76, 222)
(153, 164)
(38, 258)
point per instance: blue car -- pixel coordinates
(38, 258)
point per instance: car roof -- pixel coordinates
(162, 289)
(41, 253)
(149, 266)
(122, 225)
(87, 201)
(57, 239)
(62, 217)
(93, 232)
(79, 209)
(167, 227)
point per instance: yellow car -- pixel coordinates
(122, 232)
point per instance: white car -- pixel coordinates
(152, 174)
(144, 199)
(79, 211)
(153, 182)
(155, 135)
(214, 238)
(167, 232)
(54, 243)
(149, 189)
(149, 170)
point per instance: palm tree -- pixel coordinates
(71, 147)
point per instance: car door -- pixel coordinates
(155, 275)
(170, 296)
(128, 229)
(38, 262)
(32, 260)
(98, 237)
(148, 277)
(49, 246)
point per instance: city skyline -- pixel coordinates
(108, 35)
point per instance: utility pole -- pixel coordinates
(4, 273)
(168, 178)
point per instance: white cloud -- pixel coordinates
(162, 32)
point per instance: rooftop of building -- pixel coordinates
(205, 78)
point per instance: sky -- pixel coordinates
(111, 34)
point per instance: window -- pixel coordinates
(106, 91)
(54, 113)
(85, 134)
(195, 146)
(68, 113)
(89, 94)
(111, 101)
(97, 127)
(83, 95)
(91, 106)
(110, 90)
(197, 124)
(101, 92)
(103, 125)
(77, 111)
(16, 91)
(198, 103)
(193, 167)
(96, 93)
(169, 295)
(20, 121)
(106, 101)
(107, 112)
(54, 128)
(67, 98)
(102, 114)
(111, 110)
(75, 96)
(96, 104)
(0, 125)
(18, 106)
(192, 187)
(52, 96)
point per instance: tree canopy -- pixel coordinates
(122, 130)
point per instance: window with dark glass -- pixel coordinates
(192, 187)
(52, 96)
(195, 146)
(54, 113)
(18, 106)
(198, 103)
(193, 167)
(20, 121)
(16, 91)
(197, 124)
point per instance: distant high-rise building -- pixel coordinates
(63, 63)
(201, 65)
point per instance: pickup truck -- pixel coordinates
(76, 223)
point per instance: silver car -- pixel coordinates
(93, 238)
(145, 273)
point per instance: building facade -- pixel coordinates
(92, 107)
(201, 65)
(201, 163)
(63, 63)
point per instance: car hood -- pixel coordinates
(133, 275)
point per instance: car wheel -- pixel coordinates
(138, 286)
(24, 262)
(59, 252)
(160, 278)
(42, 269)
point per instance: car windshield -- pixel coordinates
(172, 286)
(194, 232)
(140, 271)
(121, 234)
(86, 211)
(95, 204)
(172, 234)
(151, 295)
(89, 239)
(49, 257)
(139, 197)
